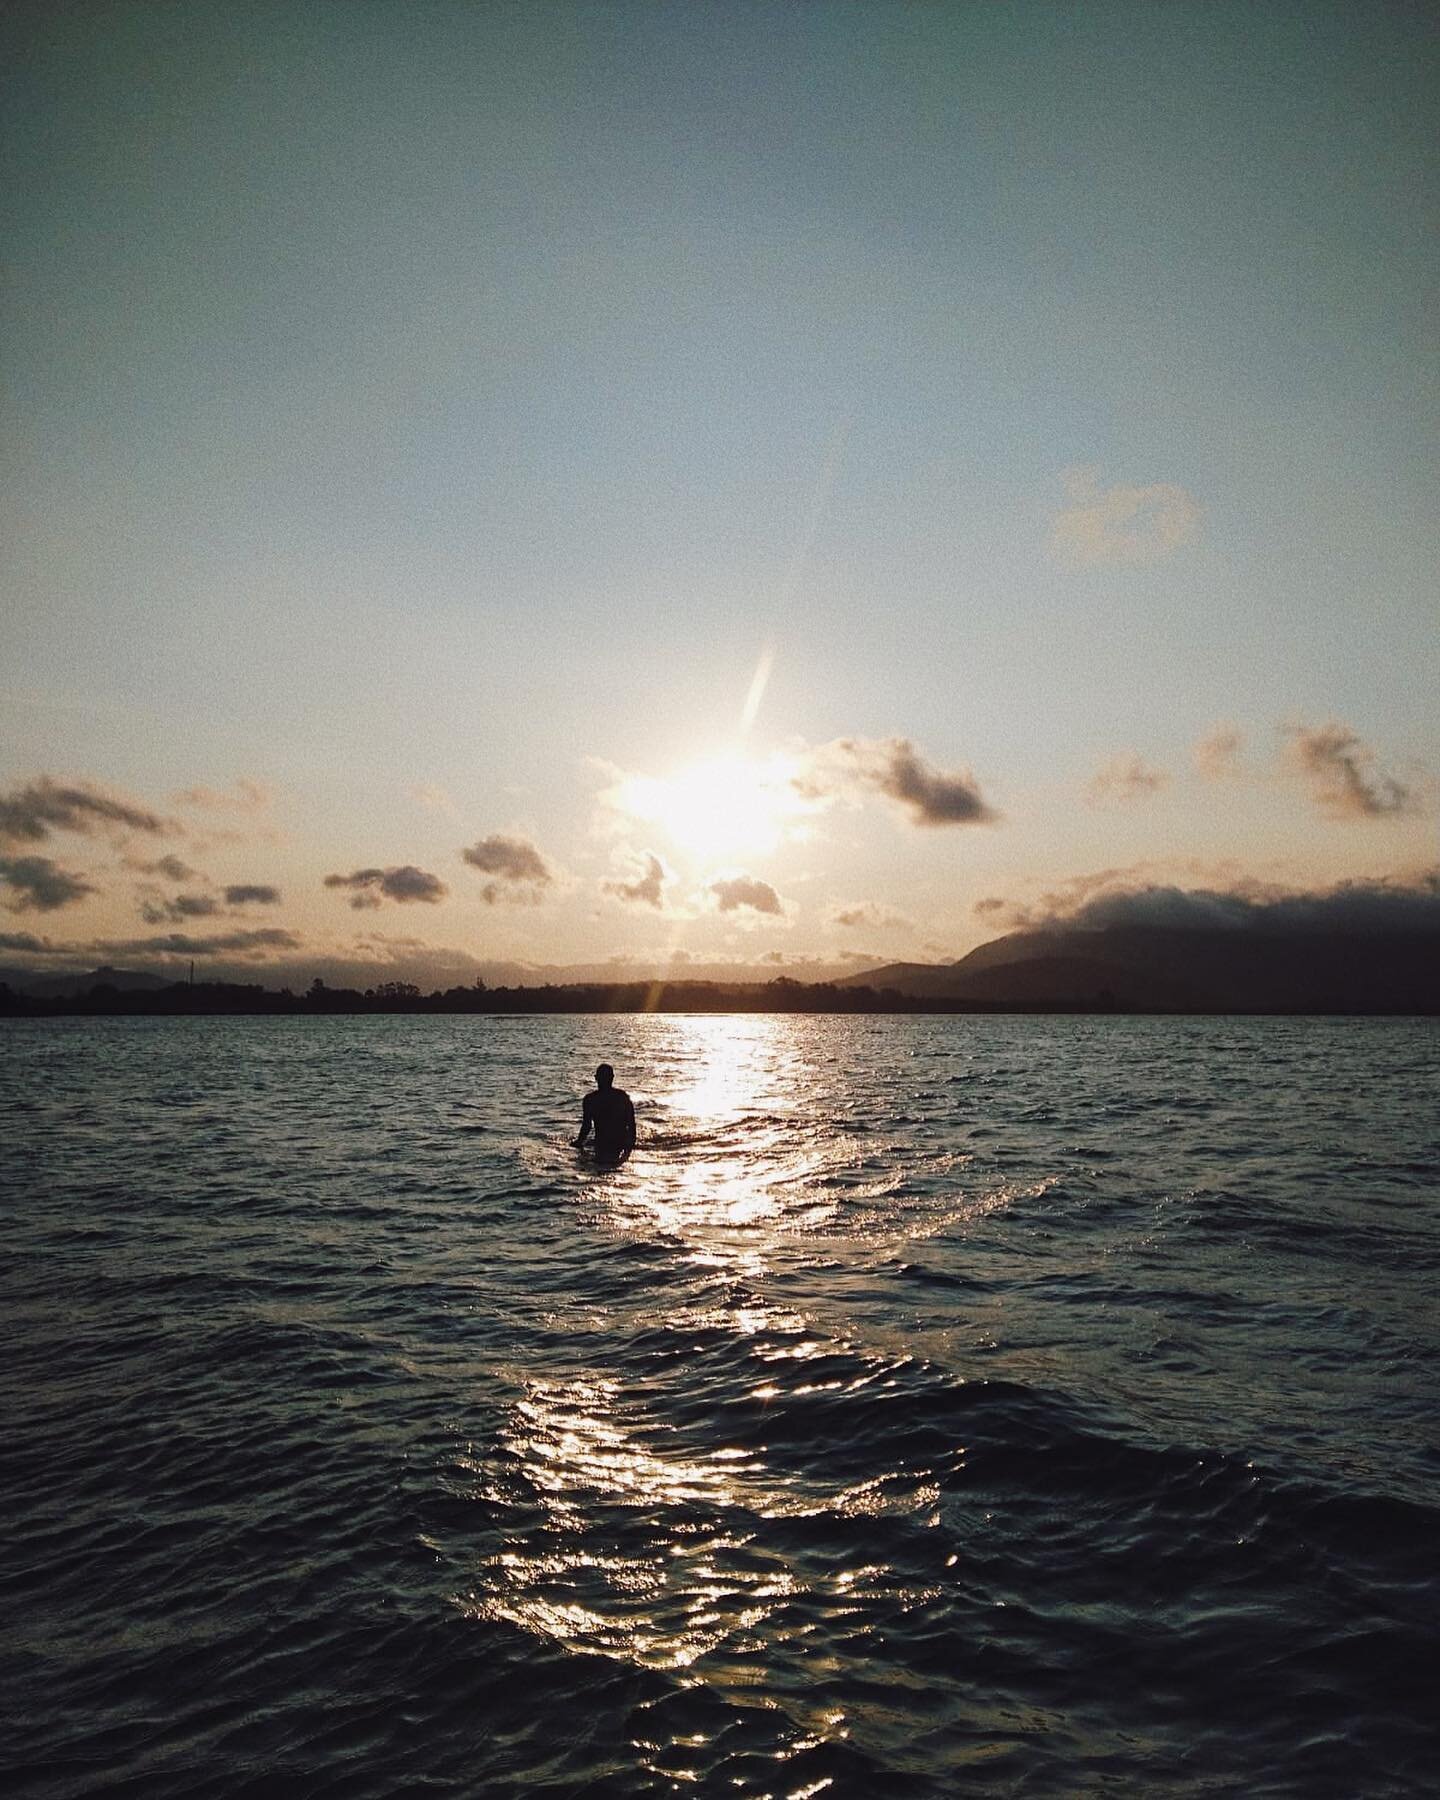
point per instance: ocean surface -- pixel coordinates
(948, 1406)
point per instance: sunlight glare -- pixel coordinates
(724, 807)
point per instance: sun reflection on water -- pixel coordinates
(654, 1556)
(651, 1517)
(736, 1131)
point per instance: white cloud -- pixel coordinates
(1125, 778)
(1217, 754)
(1121, 525)
(868, 915)
(646, 888)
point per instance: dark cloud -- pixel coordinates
(405, 884)
(518, 869)
(736, 891)
(24, 942)
(31, 813)
(932, 796)
(1366, 907)
(175, 911)
(179, 943)
(252, 893)
(895, 768)
(1340, 771)
(647, 889)
(1124, 778)
(39, 885)
(170, 867)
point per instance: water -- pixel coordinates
(932, 1407)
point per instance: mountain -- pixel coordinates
(424, 970)
(1178, 969)
(28, 981)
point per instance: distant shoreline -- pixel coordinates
(781, 996)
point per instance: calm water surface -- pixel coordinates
(932, 1407)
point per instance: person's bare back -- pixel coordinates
(608, 1112)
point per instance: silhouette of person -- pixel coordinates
(609, 1112)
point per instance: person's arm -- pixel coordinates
(587, 1119)
(629, 1128)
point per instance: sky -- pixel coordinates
(696, 485)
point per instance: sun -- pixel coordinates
(726, 807)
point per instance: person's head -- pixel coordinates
(604, 1076)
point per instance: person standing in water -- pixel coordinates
(609, 1112)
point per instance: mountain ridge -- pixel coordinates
(1177, 968)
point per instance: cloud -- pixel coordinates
(405, 884)
(733, 892)
(39, 885)
(1217, 754)
(932, 796)
(242, 796)
(1064, 901)
(1371, 907)
(25, 942)
(1122, 524)
(169, 866)
(743, 806)
(868, 915)
(179, 943)
(895, 768)
(29, 814)
(647, 889)
(252, 893)
(520, 872)
(1125, 778)
(433, 798)
(159, 911)
(1340, 771)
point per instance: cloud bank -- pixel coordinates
(256, 944)
(1370, 907)
(404, 884)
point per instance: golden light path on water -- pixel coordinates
(650, 1549)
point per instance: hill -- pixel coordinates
(63, 986)
(1159, 968)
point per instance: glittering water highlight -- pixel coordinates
(932, 1406)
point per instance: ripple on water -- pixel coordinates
(931, 1406)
